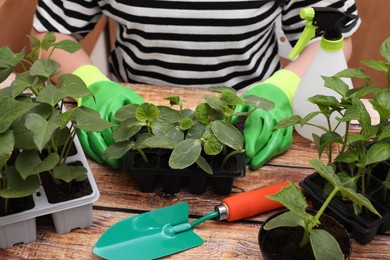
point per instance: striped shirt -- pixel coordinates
(187, 43)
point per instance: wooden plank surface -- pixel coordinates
(120, 199)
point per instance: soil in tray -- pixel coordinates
(290, 238)
(65, 191)
(16, 205)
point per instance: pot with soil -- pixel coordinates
(284, 242)
(299, 231)
(178, 146)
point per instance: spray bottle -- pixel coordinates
(328, 61)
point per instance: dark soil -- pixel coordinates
(17, 205)
(64, 191)
(283, 243)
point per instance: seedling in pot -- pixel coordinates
(323, 244)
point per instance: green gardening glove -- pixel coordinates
(108, 97)
(262, 142)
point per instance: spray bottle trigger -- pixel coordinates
(307, 34)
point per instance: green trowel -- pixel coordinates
(167, 231)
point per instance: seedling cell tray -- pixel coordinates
(157, 172)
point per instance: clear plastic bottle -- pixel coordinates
(325, 63)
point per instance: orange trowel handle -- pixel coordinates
(251, 203)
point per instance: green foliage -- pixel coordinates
(191, 135)
(363, 150)
(34, 120)
(324, 245)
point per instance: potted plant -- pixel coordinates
(299, 233)
(362, 158)
(201, 144)
(40, 155)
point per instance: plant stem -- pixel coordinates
(225, 160)
(141, 152)
(385, 189)
(326, 203)
(309, 226)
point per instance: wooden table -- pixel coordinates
(120, 198)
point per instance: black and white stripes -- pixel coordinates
(186, 43)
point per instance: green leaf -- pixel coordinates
(325, 246)
(185, 154)
(127, 130)
(352, 73)
(160, 127)
(169, 115)
(327, 139)
(348, 156)
(126, 112)
(16, 186)
(173, 100)
(146, 112)
(358, 112)
(381, 103)
(258, 102)
(117, 150)
(41, 129)
(196, 131)
(326, 172)
(287, 219)
(69, 173)
(385, 49)
(4, 73)
(175, 134)
(11, 109)
(359, 199)
(48, 40)
(363, 91)
(186, 123)
(8, 59)
(288, 121)
(292, 198)
(215, 103)
(213, 146)
(220, 89)
(44, 68)
(228, 135)
(336, 84)
(230, 97)
(188, 113)
(159, 142)
(385, 133)
(7, 142)
(73, 86)
(204, 165)
(68, 46)
(309, 117)
(51, 95)
(29, 163)
(23, 81)
(324, 101)
(204, 113)
(377, 65)
(34, 42)
(90, 120)
(377, 153)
